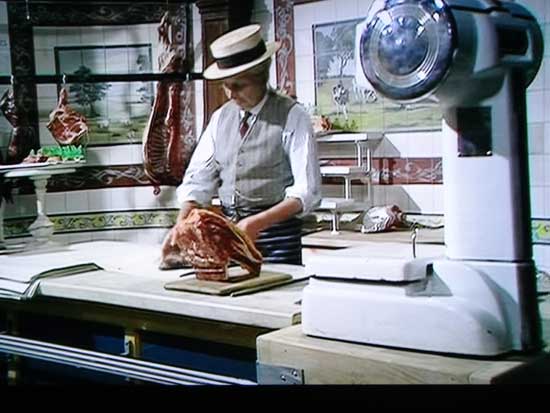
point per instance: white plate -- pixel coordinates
(52, 165)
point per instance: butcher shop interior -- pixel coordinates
(274, 192)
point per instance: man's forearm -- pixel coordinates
(282, 211)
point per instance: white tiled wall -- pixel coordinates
(198, 86)
(422, 198)
(96, 200)
(538, 101)
(151, 236)
(46, 38)
(262, 14)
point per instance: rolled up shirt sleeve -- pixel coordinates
(201, 180)
(301, 148)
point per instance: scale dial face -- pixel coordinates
(407, 46)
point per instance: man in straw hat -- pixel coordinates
(257, 154)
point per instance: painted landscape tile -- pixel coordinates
(349, 101)
(117, 112)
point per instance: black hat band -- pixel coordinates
(242, 58)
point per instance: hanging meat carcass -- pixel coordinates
(166, 151)
(22, 136)
(67, 126)
(209, 242)
(5, 192)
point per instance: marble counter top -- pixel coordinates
(132, 279)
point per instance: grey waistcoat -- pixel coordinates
(254, 170)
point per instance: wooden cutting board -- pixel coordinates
(266, 280)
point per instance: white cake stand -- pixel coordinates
(42, 228)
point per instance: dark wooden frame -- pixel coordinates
(217, 18)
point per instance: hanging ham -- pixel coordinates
(22, 136)
(67, 126)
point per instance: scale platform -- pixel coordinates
(433, 304)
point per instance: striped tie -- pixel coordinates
(244, 124)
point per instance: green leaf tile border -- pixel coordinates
(161, 218)
(98, 221)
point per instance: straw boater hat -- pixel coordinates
(238, 51)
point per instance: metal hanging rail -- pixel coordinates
(112, 364)
(99, 78)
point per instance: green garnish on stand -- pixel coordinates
(65, 153)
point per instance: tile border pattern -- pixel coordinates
(285, 58)
(386, 171)
(396, 171)
(166, 218)
(97, 221)
(92, 177)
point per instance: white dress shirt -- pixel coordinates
(201, 181)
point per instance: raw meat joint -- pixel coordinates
(209, 242)
(165, 151)
(383, 218)
(66, 125)
(22, 136)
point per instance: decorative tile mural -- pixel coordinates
(386, 171)
(102, 221)
(117, 112)
(349, 102)
(540, 229)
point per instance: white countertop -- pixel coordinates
(132, 279)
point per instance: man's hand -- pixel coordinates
(170, 240)
(282, 211)
(252, 226)
(185, 210)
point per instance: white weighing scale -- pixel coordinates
(476, 58)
